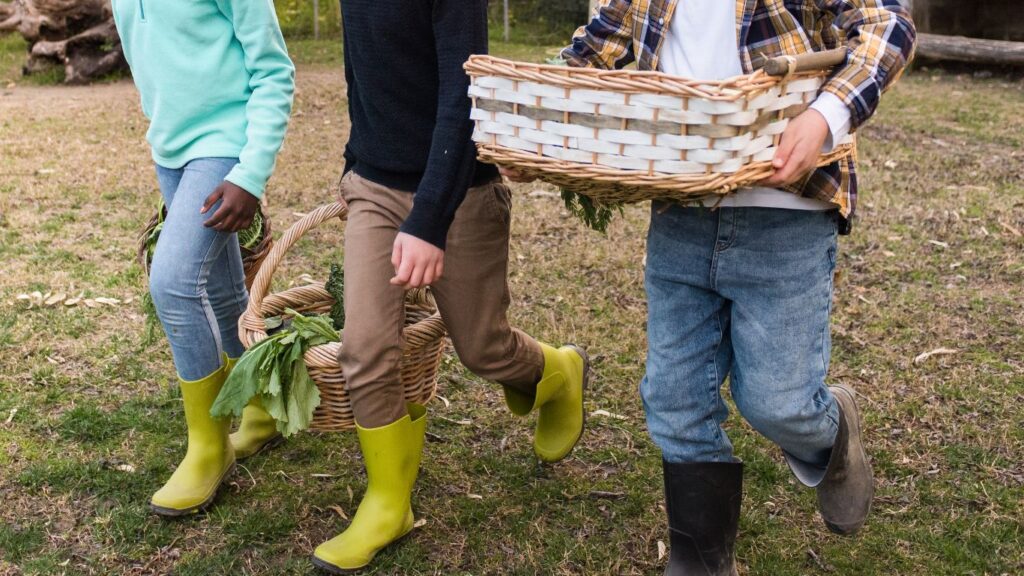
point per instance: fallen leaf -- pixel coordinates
(463, 422)
(603, 494)
(608, 414)
(108, 301)
(90, 303)
(10, 416)
(1009, 228)
(662, 549)
(447, 404)
(55, 299)
(937, 352)
(420, 523)
(125, 468)
(339, 511)
(474, 496)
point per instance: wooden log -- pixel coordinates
(77, 34)
(970, 50)
(8, 19)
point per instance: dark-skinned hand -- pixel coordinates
(236, 210)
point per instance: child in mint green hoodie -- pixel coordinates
(216, 83)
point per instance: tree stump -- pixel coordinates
(76, 34)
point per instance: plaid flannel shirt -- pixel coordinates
(879, 36)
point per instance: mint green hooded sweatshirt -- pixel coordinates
(215, 80)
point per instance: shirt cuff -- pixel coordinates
(837, 116)
(427, 222)
(245, 180)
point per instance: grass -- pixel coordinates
(91, 423)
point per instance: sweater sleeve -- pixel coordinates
(460, 30)
(272, 84)
(880, 37)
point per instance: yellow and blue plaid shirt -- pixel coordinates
(879, 36)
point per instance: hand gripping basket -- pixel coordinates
(628, 136)
(252, 257)
(423, 333)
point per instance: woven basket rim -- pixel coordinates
(630, 81)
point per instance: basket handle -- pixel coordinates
(810, 62)
(252, 318)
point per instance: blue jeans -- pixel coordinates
(196, 279)
(744, 293)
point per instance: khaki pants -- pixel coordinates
(472, 296)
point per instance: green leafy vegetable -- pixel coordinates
(275, 371)
(594, 215)
(336, 287)
(251, 236)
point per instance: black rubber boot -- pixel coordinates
(703, 503)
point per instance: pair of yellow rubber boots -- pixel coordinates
(392, 457)
(391, 454)
(211, 450)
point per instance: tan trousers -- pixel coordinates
(472, 296)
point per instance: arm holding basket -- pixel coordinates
(880, 37)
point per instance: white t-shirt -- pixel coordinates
(701, 43)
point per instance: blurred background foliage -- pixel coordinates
(547, 22)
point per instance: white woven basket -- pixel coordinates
(629, 136)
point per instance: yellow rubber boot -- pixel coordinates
(559, 399)
(209, 458)
(257, 431)
(392, 456)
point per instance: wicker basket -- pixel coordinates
(424, 331)
(628, 136)
(252, 258)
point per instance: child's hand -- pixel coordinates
(236, 211)
(417, 262)
(799, 149)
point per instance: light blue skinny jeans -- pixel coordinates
(744, 293)
(196, 278)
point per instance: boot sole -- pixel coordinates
(854, 429)
(332, 569)
(179, 512)
(583, 400)
(274, 442)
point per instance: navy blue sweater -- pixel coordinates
(408, 105)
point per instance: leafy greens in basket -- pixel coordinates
(275, 371)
